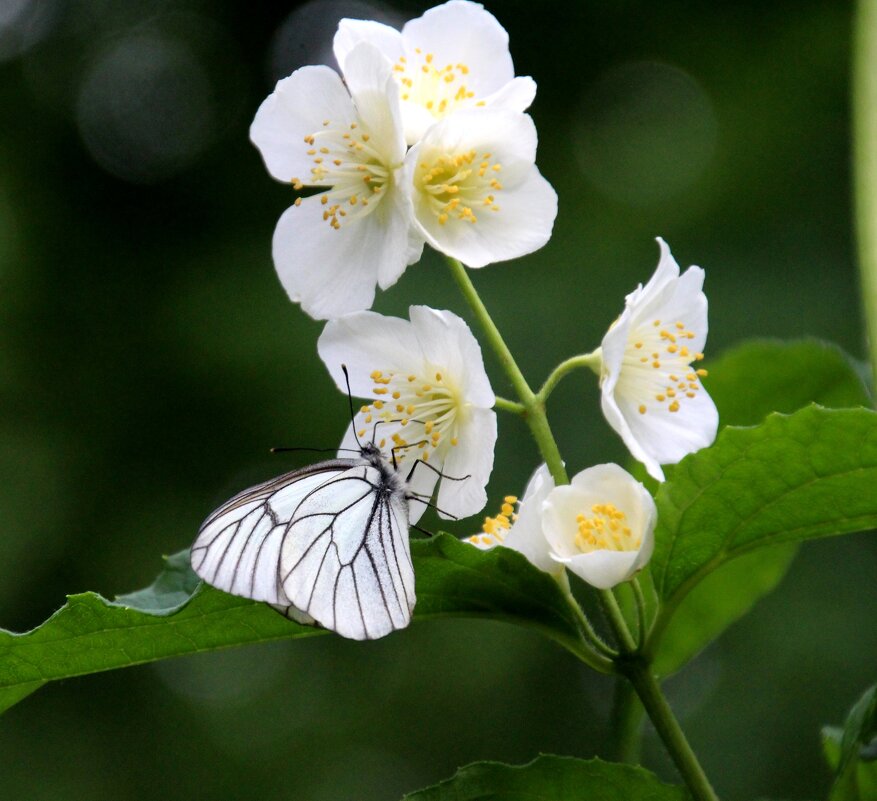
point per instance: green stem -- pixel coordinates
(638, 671)
(640, 601)
(629, 662)
(626, 723)
(510, 406)
(590, 360)
(590, 634)
(534, 409)
(649, 691)
(865, 164)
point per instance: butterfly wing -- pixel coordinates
(345, 559)
(238, 546)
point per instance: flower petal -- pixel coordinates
(517, 95)
(473, 457)
(369, 78)
(463, 32)
(620, 422)
(523, 225)
(601, 569)
(525, 535)
(588, 493)
(353, 31)
(521, 219)
(334, 272)
(666, 437)
(447, 342)
(296, 108)
(367, 341)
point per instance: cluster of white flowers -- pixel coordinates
(468, 184)
(601, 525)
(423, 138)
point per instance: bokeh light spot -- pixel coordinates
(144, 109)
(305, 36)
(644, 132)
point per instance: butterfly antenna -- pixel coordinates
(350, 404)
(284, 449)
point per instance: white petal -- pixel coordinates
(368, 75)
(353, 31)
(448, 345)
(606, 483)
(421, 482)
(462, 32)
(334, 272)
(365, 342)
(390, 270)
(665, 272)
(516, 95)
(472, 457)
(296, 108)
(682, 299)
(620, 422)
(521, 226)
(526, 535)
(527, 203)
(666, 437)
(602, 569)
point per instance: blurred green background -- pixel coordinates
(149, 359)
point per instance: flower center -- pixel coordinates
(346, 160)
(439, 88)
(494, 529)
(456, 186)
(412, 416)
(605, 530)
(657, 366)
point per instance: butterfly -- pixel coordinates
(327, 543)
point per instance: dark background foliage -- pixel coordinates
(149, 359)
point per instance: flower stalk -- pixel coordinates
(630, 661)
(865, 165)
(534, 408)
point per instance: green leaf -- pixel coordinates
(178, 615)
(551, 778)
(758, 377)
(720, 599)
(747, 384)
(794, 478)
(852, 752)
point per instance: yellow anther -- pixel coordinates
(642, 409)
(674, 407)
(701, 372)
(298, 201)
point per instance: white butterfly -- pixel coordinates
(326, 544)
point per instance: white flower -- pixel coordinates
(429, 400)
(331, 249)
(455, 56)
(601, 525)
(476, 191)
(522, 531)
(651, 393)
